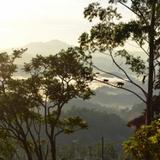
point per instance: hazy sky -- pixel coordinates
(25, 21)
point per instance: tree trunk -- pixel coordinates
(40, 153)
(53, 149)
(29, 156)
(151, 36)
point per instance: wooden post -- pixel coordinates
(102, 143)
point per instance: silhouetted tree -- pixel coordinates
(111, 32)
(30, 109)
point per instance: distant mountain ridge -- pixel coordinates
(105, 96)
(49, 47)
(41, 48)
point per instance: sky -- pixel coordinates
(26, 21)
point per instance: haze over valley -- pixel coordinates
(105, 96)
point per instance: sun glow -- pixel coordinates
(25, 21)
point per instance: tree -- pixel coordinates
(111, 33)
(7, 147)
(145, 143)
(60, 78)
(30, 109)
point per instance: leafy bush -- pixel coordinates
(145, 143)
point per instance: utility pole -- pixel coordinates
(102, 143)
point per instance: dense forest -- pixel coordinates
(76, 104)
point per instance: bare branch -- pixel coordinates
(123, 89)
(143, 49)
(139, 15)
(130, 80)
(59, 132)
(109, 73)
(46, 154)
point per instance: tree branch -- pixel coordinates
(112, 74)
(123, 89)
(59, 132)
(143, 49)
(139, 15)
(130, 80)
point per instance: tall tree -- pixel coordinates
(111, 33)
(30, 109)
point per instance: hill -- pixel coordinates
(105, 96)
(46, 48)
(100, 123)
(43, 48)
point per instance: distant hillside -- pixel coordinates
(100, 123)
(111, 104)
(43, 48)
(105, 96)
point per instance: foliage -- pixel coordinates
(145, 142)
(110, 35)
(100, 122)
(70, 124)
(110, 32)
(30, 108)
(7, 147)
